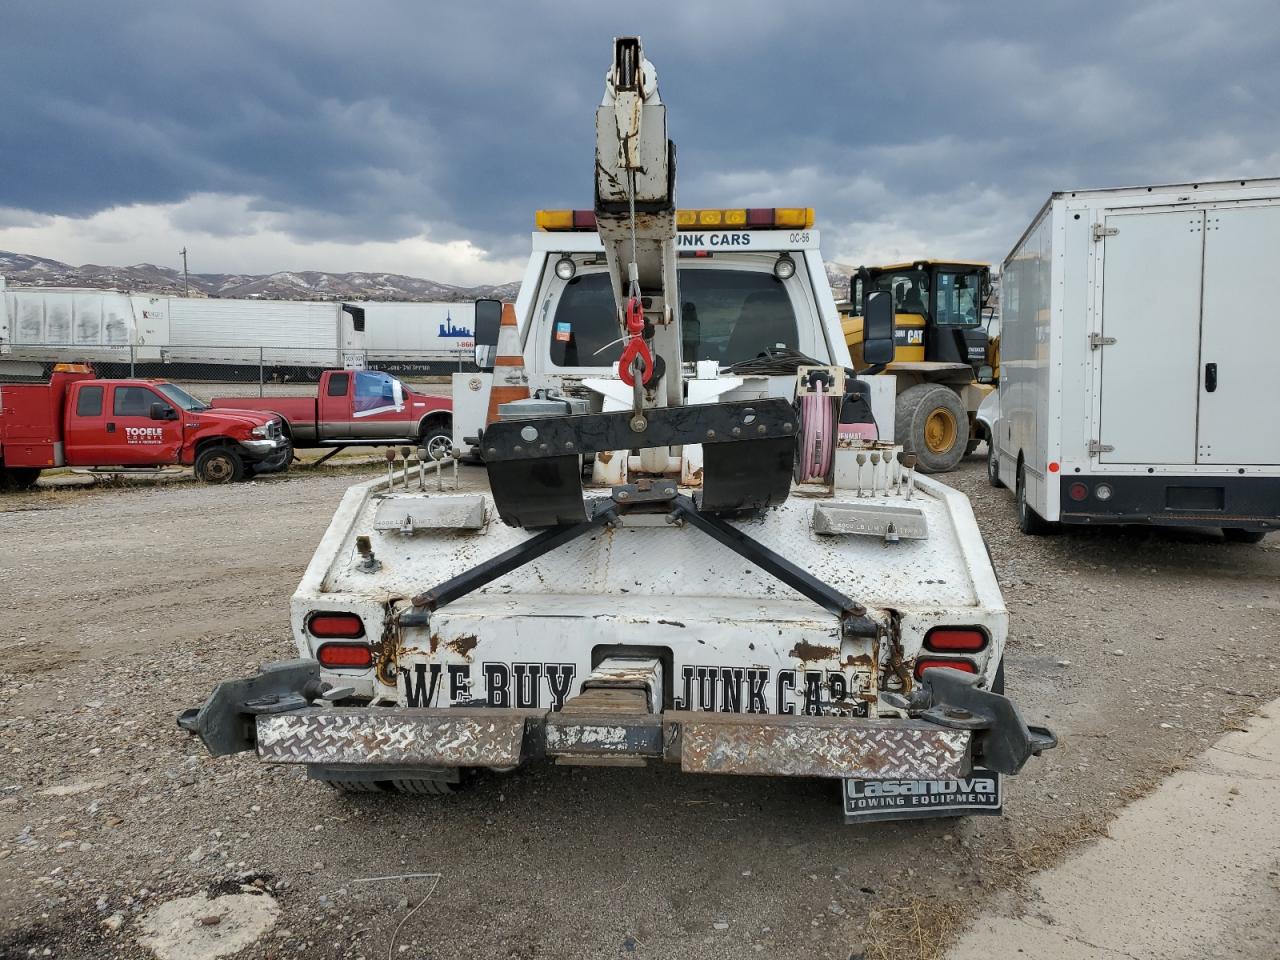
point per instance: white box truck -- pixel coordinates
(1138, 360)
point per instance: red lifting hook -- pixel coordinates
(636, 347)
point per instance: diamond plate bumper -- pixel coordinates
(282, 716)
(786, 746)
(766, 745)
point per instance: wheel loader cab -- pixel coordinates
(938, 306)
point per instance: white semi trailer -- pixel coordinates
(1137, 360)
(147, 333)
(740, 588)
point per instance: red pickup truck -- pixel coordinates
(359, 407)
(77, 420)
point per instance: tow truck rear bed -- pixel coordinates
(739, 673)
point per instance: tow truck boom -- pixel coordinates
(635, 208)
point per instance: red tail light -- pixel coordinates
(1077, 491)
(344, 626)
(338, 656)
(963, 665)
(955, 639)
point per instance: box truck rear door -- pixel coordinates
(1151, 308)
(1240, 338)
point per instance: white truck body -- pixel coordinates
(1137, 353)
(421, 331)
(713, 613)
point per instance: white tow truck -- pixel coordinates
(701, 556)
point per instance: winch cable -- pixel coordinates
(635, 366)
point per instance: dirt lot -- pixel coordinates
(121, 607)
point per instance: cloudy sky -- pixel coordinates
(419, 138)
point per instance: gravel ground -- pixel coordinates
(121, 607)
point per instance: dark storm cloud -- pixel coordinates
(369, 121)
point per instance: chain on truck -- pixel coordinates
(703, 555)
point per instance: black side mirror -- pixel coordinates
(488, 320)
(162, 411)
(877, 329)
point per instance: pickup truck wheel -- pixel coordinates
(219, 465)
(437, 443)
(18, 478)
(931, 422)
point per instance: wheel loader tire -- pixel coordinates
(1029, 522)
(993, 466)
(219, 465)
(1236, 535)
(931, 422)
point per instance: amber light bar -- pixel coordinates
(745, 218)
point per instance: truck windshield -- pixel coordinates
(180, 398)
(958, 295)
(725, 315)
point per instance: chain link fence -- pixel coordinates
(205, 370)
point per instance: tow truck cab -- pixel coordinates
(749, 280)
(78, 420)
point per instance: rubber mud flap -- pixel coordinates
(748, 449)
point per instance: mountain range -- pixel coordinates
(25, 270)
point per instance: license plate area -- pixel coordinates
(981, 793)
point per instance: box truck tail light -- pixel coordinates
(342, 626)
(345, 656)
(1077, 491)
(955, 639)
(924, 664)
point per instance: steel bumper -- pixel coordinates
(284, 716)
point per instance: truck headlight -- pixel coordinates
(262, 431)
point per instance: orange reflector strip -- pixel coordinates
(345, 655)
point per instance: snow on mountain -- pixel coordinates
(24, 270)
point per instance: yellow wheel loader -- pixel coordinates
(941, 358)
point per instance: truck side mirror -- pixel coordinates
(162, 411)
(877, 329)
(488, 320)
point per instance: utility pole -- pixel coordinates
(185, 286)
